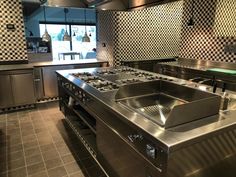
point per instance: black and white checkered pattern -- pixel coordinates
(12, 42)
(214, 28)
(155, 32)
(105, 31)
(141, 35)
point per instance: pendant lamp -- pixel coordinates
(85, 38)
(66, 36)
(46, 37)
(191, 20)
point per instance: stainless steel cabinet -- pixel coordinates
(16, 88)
(50, 80)
(22, 88)
(6, 97)
(46, 80)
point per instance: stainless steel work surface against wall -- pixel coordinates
(53, 63)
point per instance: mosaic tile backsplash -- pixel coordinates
(12, 41)
(214, 29)
(141, 35)
(155, 32)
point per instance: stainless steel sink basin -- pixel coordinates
(168, 104)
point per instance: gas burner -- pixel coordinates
(92, 79)
(117, 71)
(84, 74)
(105, 86)
(129, 81)
(142, 74)
(125, 70)
(152, 78)
(106, 72)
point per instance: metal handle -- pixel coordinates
(37, 80)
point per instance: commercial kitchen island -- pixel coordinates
(136, 123)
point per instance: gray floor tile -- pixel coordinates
(53, 163)
(68, 158)
(57, 172)
(63, 150)
(20, 172)
(16, 155)
(30, 160)
(31, 144)
(42, 135)
(26, 132)
(35, 168)
(32, 151)
(13, 164)
(40, 130)
(13, 132)
(28, 138)
(48, 147)
(40, 174)
(15, 147)
(72, 168)
(14, 139)
(49, 155)
(44, 140)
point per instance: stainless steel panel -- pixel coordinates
(201, 148)
(23, 88)
(168, 104)
(38, 82)
(70, 3)
(50, 80)
(212, 157)
(118, 158)
(6, 97)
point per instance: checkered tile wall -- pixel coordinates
(140, 35)
(214, 28)
(105, 35)
(154, 32)
(12, 42)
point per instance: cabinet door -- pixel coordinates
(23, 88)
(50, 80)
(6, 97)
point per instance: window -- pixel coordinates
(56, 32)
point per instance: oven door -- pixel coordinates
(118, 158)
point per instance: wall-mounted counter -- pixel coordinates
(38, 80)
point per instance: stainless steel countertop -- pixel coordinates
(170, 139)
(49, 63)
(202, 65)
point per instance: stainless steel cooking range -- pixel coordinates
(141, 124)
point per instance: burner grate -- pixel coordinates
(83, 74)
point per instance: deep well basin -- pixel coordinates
(168, 104)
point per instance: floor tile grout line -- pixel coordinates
(39, 144)
(23, 148)
(57, 151)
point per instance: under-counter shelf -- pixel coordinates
(86, 136)
(85, 117)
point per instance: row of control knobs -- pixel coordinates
(79, 94)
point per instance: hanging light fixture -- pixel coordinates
(85, 38)
(66, 36)
(46, 37)
(191, 20)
